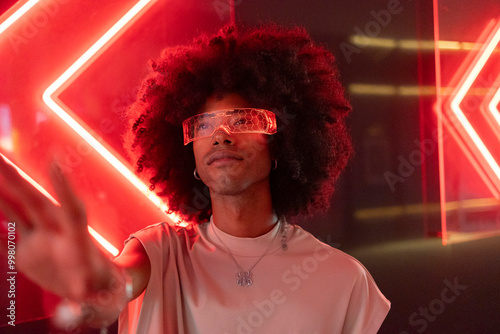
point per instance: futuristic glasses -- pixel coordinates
(238, 120)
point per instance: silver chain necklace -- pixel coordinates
(244, 277)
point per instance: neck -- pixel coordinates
(249, 214)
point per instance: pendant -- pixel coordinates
(244, 278)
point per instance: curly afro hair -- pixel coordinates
(272, 67)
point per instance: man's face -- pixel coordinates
(232, 163)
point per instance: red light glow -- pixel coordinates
(471, 135)
(470, 115)
(493, 106)
(71, 68)
(17, 15)
(72, 72)
(103, 242)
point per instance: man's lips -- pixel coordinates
(223, 155)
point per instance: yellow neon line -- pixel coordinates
(420, 208)
(409, 44)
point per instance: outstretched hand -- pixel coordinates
(53, 247)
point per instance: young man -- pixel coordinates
(254, 121)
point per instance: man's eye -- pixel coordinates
(203, 126)
(240, 121)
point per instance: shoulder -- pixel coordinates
(161, 232)
(364, 305)
(339, 263)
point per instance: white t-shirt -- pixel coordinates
(309, 288)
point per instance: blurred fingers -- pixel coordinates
(20, 200)
(71, 205)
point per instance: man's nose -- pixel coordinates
(222, 135)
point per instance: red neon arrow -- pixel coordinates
(463, 125)
(15, 14)
(492, 108)
(70, 74)
(13, 18)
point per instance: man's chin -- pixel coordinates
(227, 187)
(227, 191)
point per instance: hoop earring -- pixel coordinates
(274, 164)
(195, 173)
